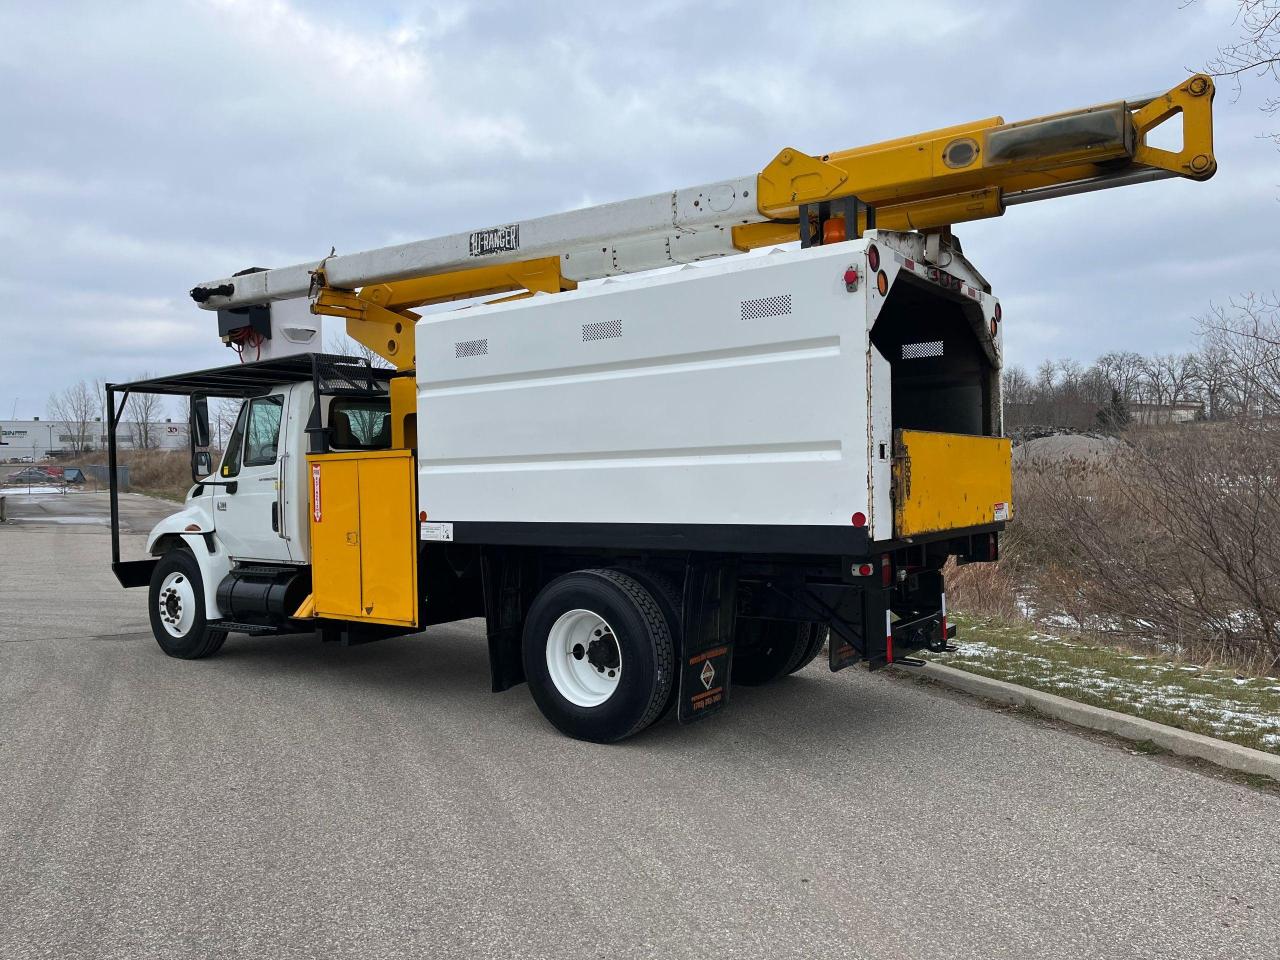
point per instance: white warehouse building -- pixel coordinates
(37, 438)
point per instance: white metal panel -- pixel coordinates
(733, 392)
(880, 445)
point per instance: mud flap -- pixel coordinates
(706, 656)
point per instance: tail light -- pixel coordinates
(886, 570)
(873, 258)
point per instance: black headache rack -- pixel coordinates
(332, 374)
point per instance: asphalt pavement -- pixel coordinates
(289, 798)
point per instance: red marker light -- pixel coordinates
(851, 279)
(859, 519)
(866, 570)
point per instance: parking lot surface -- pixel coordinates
(289, 798)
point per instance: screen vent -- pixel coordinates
(779, 306)
(918, 351)
(471, 348)
(604, 330)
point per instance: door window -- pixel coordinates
(256, 434)
(231, 458)
(262, 431)
(359, 423)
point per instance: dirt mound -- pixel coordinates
(1064, 447)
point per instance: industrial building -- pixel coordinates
(36, 439)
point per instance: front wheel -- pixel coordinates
(176, 600)
(598, 655)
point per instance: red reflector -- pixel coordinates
(873, 258)
(422, 515)
(865, 570)
(859, 519)
(851, 279)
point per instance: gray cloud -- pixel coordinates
(151, 146)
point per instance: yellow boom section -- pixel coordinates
(969, 171)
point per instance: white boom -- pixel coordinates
(607, 240)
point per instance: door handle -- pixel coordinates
(275, 517)
(282, 476)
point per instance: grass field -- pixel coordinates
(1219, 703)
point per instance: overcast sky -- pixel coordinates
(150, 146)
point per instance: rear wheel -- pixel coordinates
(176, 601)
(818, 633)
(598, 655)
(765, 650)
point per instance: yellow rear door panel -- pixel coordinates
(949, 481)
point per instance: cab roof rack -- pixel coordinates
(330, 371)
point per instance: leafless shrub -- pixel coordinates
(1170, 544)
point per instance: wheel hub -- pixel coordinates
(583, 658)
(602, 653)
(176, 605)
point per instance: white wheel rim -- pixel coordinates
(177, 604)
(583, 658)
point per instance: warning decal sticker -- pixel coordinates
(315, 492)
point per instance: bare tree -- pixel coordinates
(1122, 370)
(339, 343)
(1216, 376)
(223, 415)
(146, 411)
(1245, 337)
(75, 408)
(1256, 51)
(1017, 387)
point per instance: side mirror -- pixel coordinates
(199, 420)
(201, 465)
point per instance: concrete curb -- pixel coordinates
(1182, 742)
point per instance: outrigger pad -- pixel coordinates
(706, 655)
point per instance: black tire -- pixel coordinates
(670, 598)
(818, 633)
(766, 650)
(644, 645)
(199, 640)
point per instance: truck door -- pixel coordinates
(250, 512)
